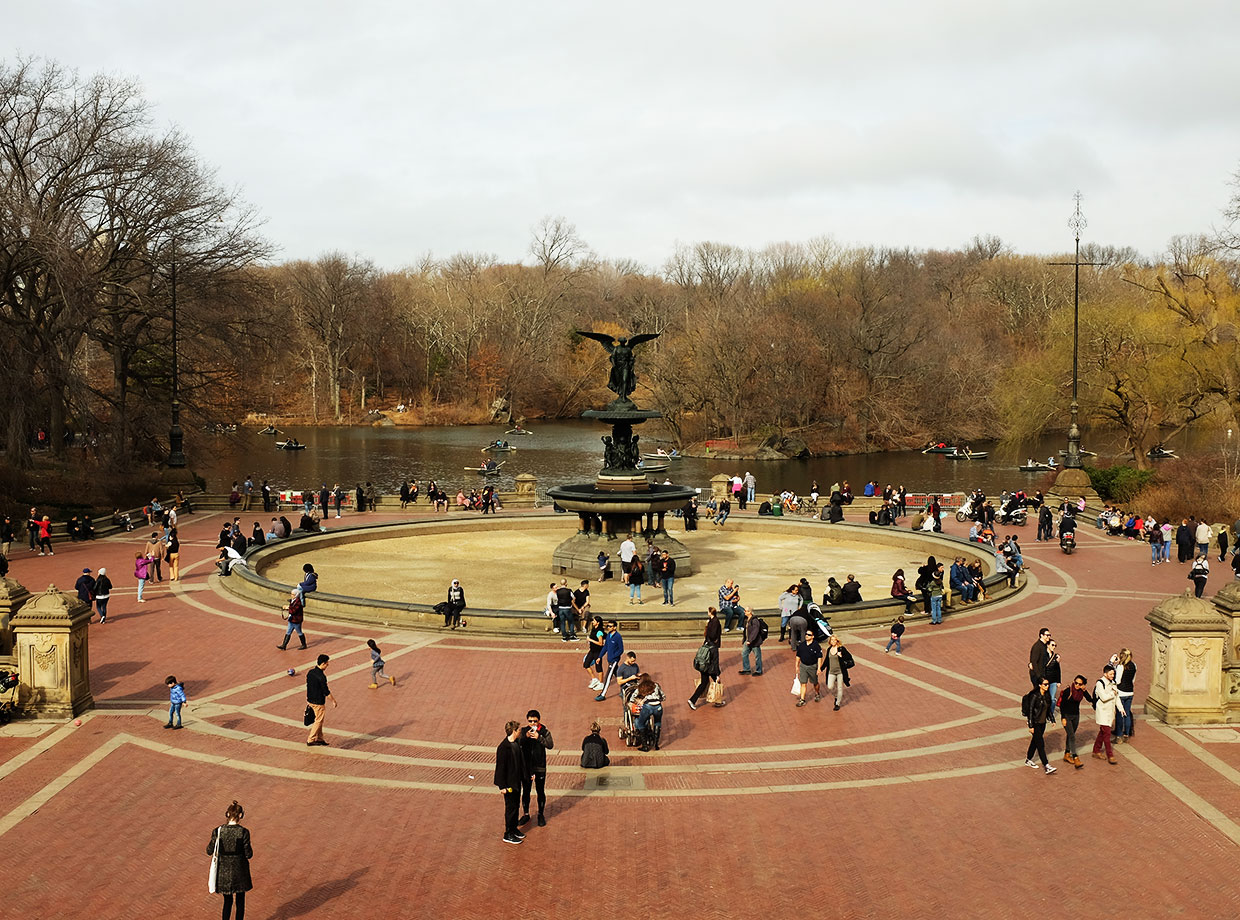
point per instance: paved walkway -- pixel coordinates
(912, 800)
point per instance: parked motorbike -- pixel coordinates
(965, 511)
(1067, 542)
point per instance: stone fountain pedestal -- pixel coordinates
(620, 501)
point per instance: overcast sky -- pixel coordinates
(392, 130)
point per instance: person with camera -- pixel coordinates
(535, 740)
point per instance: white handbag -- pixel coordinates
(215, 862)
(796, 686)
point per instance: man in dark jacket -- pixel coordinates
(850, 591)
(667, 572)
(1039, 656)
(755, 634)
(510, 773)
(1037, 706)
(535, 741)
(85, 587)
(317, 695)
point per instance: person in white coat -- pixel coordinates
(1106, 698)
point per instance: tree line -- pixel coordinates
(849, 348)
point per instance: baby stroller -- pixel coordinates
(8, 684)
(818, 623)
(631, 706)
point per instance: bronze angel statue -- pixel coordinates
(623, 380)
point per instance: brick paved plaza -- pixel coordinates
(911, 801)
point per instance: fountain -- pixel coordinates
(621, 501)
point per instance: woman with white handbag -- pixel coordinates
(230, 853)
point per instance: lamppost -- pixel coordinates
(1076, 223)
(176, 438)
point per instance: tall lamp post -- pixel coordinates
(1076, 223)
(176, 438)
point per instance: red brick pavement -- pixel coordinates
(910, 801)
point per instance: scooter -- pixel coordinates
(1067, 542)
(1017, 516)
(965, 511)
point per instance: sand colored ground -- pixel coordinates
(511, 570)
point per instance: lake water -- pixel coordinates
(560, 453)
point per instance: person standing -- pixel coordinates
(1184, 541)
(141, 571)
(317, 695)
(628, 549)
(839, 661)
(934, 588)
(7, 532)
(1197, 574)
(712, 639)
(45, 536)
(324, 499)
(1036, 707)
(1038, 656)
(730, 604)
(337, 498)
(372, 497)
(231, 851)
(1106, 696)
(535, 739)
(755, 634)
(32, 529)
(1070, 714)
(174, 555)
(376, 666)
(456, 603)
(751, 485)
(510, 773)
(789, 604)
(103, 591)
(1046, 522)
(667, 572)
(176, 699)
(154, 550)
(809, 658)
(1125, 672)
(247, 493)
(564, 611)
(1203, 535)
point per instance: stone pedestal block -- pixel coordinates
(1072, 484)
(577, 557)
(52, 637)
(12, 596)
(720, 487)
(1190, 639)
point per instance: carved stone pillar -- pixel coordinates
(53, 656)
(1189, 639)
(12, 596)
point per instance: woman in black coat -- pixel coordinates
(232, 869)
(713, 638)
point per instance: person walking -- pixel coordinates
(317, 695)
(103, 592)
(596, 635)
(456, 604)
(536, 741)
(1053, 675)
(613, 648)
(1070, 714)
(755, 633)
(1125, 672)
(231, 852)
(707, 659)
(897, 631)
(1036, 708)
(85, 587)
(636, 575)
(809, 666)
(1106, 696)
(1199, 573)
(176, 699)
(294, 612)
(839, 661)
(141, 571)
(667, 573)
(510, 773)
(45, 536)
(376, 666)
(1038, 656)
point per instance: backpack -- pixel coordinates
(763, 631)
(701, 661)
(1025, 702)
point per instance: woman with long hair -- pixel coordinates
(1125, 671)
(231, 851)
